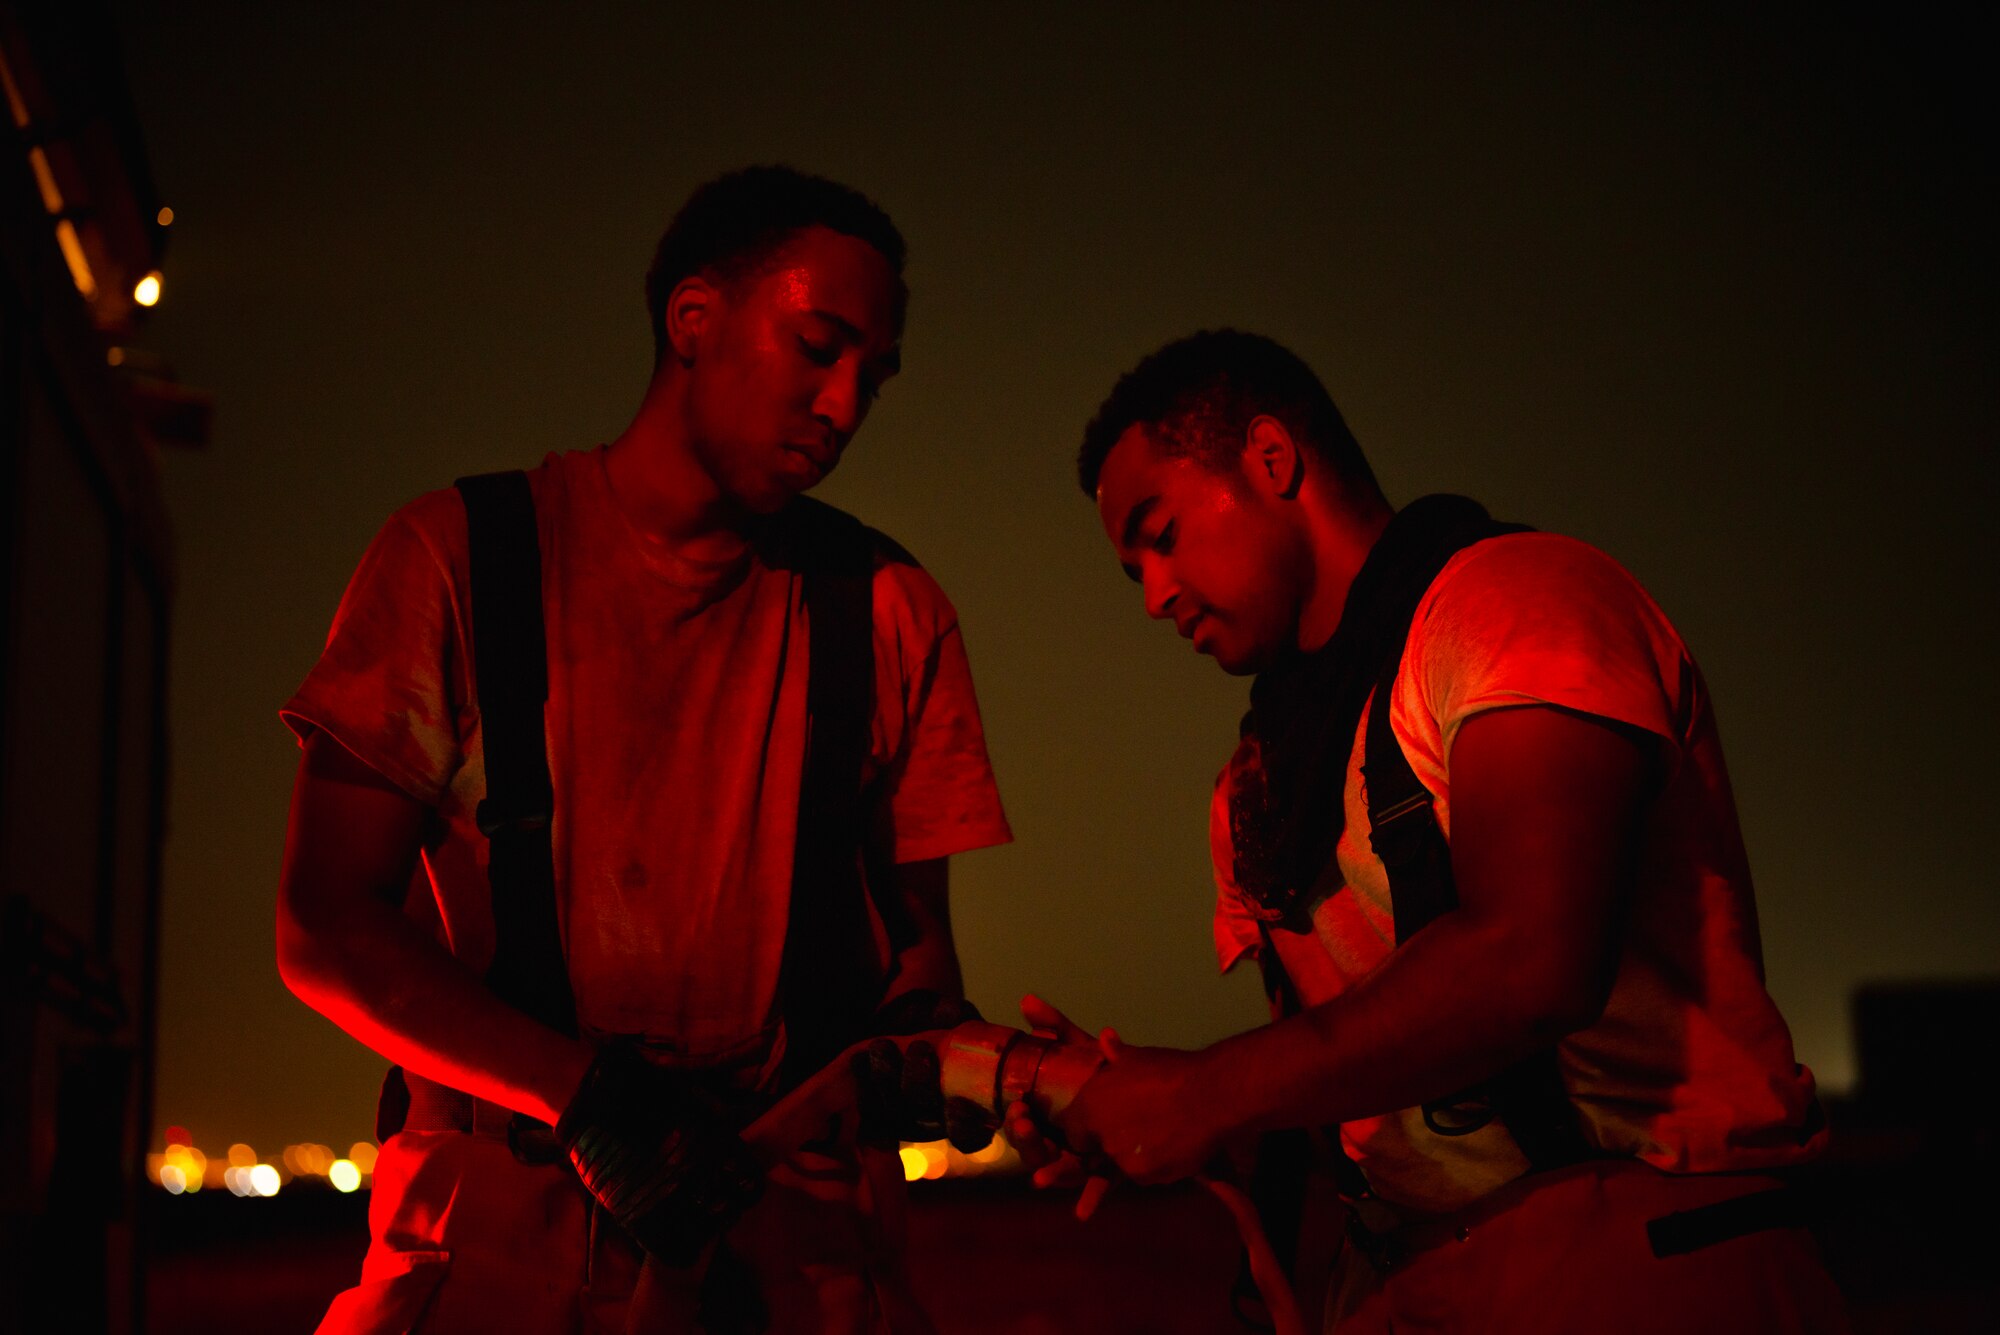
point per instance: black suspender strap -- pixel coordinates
(1402, 825)
(829, 982)
(511, 681)
(1529, 1096)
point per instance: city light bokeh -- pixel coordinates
(182, 1169)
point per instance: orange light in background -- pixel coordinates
(147, 290)
(936, 1161)
(183, 1164)
(181, 1168)
(913, 1163)
(308, 1160)
(165, 217)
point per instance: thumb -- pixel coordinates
(1049, 1022)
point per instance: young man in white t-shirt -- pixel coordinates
(680, 694)
(1598, 924)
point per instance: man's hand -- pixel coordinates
(1144, 1112)
(656, 1156)
(1040, 1148)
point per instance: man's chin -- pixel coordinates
(1238, 661)
(767, 501)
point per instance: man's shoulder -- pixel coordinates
(1549, 600)
(428, 530)
(1532, 570)
(1533, 554)
(903, 590)
(811, 520)
(437, 517)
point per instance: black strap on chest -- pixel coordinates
(830, 984)
(1527, 1097)
(510, 668)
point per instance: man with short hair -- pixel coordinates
(1479, 835)
(724, 926)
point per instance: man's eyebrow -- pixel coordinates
(890, 361)
(1135, 519)
(846, 327)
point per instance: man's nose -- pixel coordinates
(841, 404)
(1160, 590)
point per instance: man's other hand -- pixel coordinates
(1144, 1113)
(1042, 1148)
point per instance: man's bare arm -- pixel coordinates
(930, 959)
(346, 949)
(1546, 809)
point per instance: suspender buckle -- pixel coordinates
(1400, 832)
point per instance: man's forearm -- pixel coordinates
(1454, 1005)
(380, 978)
(928, 960)
(1546, 810)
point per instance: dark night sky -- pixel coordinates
(1712, 296)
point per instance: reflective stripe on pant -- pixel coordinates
(1567, 1253)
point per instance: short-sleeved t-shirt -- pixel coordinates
(1690, 1068)
(676, 727)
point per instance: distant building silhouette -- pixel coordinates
(84, 607)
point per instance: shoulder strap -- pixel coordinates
(511, 682)
(1528, 1096)
(1402, 824)
(828, 983)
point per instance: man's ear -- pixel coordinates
(1273, 459)
(690, 309)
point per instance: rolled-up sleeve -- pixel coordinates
(387, 685)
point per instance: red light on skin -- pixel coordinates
(178, 1135)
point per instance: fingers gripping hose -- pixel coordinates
(664, 1164)
(989, 1066)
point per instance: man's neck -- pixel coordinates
(660, 483)
(1340, 542)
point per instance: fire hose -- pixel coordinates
(995, 1066)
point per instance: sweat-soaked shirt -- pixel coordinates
(1690, 1068)
(676, 728)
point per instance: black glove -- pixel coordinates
(657, 1155)
(902, 1099)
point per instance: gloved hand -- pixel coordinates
(901, 1098)
(656, 1155)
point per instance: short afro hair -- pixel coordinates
(1197, 396)
(733, 226)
